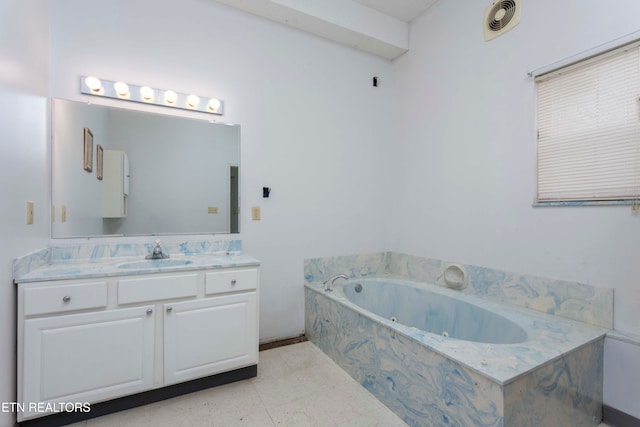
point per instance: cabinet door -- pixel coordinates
(209, 336)
(88, 357)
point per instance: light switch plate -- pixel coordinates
(255, 213)
(29, 213)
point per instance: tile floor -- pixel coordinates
(296, 386)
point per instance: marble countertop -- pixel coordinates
(62, 270)
(126, 259)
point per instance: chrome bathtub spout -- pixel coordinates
(157, 252)
(329, 283)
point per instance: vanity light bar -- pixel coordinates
(91, 85)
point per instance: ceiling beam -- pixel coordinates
(342, 21)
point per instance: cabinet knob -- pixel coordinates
(149, 311)
(169, 309)
(66, 298)
(233, 282)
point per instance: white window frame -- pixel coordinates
(588, 142)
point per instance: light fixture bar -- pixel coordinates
(91, 85)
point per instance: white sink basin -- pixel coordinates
(154, 263)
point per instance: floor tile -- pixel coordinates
(296, 386)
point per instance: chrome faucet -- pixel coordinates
(328, 284)
(157, 252)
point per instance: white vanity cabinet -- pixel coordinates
(96, 340)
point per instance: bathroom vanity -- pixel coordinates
(91, 332)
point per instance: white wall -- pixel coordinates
(465, 153)
(622, 373)
(24, 167)
(313, 127)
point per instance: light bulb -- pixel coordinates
(170, 97)
(93, 83)
(122, 89)
(147, 93)
(193, 101)
(214, 104)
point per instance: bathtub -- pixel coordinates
(439, 357)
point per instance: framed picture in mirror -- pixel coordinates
(88, 150)
(99, 161)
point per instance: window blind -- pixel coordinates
(589, 129)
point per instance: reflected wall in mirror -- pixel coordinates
(161, 174)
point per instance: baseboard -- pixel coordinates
(283, 342)
(135, 400)
(616, 418)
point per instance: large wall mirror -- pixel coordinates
(125, 172)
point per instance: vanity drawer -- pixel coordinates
(61, 298)
(153, 288)
(231, 280)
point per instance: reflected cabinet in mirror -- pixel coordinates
(125, 172)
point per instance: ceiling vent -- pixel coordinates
(500, 17)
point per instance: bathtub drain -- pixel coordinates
(358, 288)
(393, 319)
(445, 333)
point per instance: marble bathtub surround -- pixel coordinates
(105, 259)
(554, 377)
(545, 338)
(365, 265)
(570, 300)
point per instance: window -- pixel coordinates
(589, 129)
